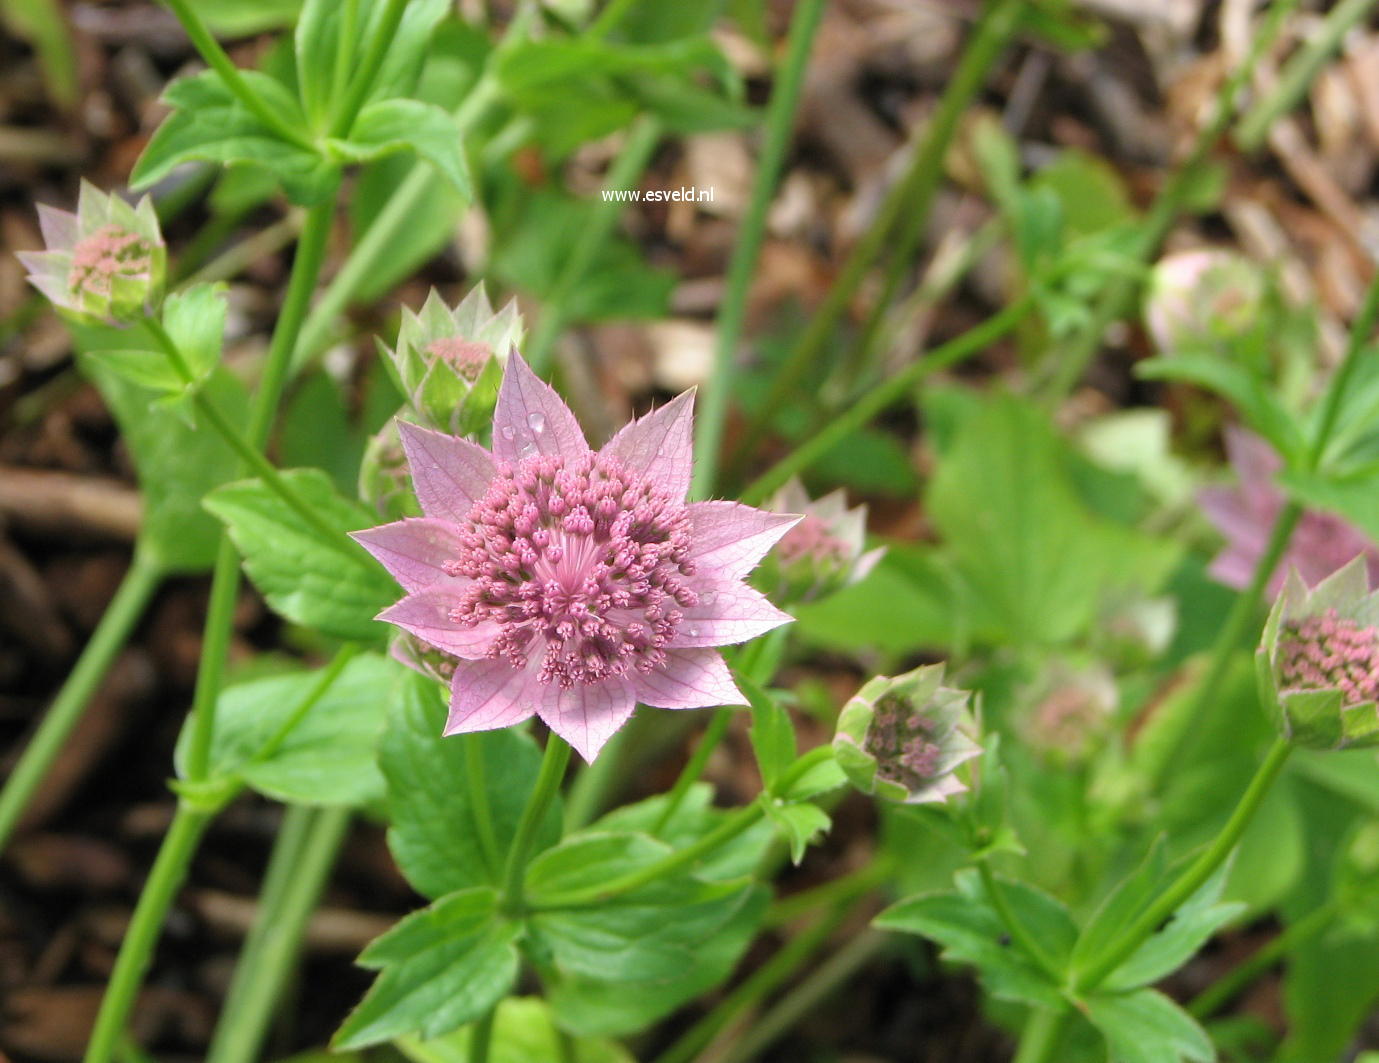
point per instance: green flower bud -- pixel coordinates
(1201, 297)
(904, 738)
(823, 552)
(385, 480)
(1318, 662)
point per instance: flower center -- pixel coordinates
(107, 253)
(901, 741)
(585, 561)
(811, 538)
(1329, 651)
(465, 357)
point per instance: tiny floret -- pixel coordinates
(1201, 299)
(904, 738)
(824, 552)
(106, 263)
(549, 578)
(1319, 661)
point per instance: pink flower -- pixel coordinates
(570, 583)
(1321, 543)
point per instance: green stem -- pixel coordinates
(284, 924)
(136, 951)
(609, 17)
(306, 268)
(1192, 879)
(478, 801)
(137, 588)
(329, 674)
(1013, 926)
(368, 70)
(908, 198)
(1300, 71)
(481, 1039)
(344, 52)
(215, 57)
(1041, 1036)
(763, 981)
(553, 763)
(780, 117)
(694, 767)
(883, 395)
(1236, 981)
(625, 171)
(1360, 330)
(1078, 352)
(589, 791)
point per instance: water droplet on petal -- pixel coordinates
(694, 632)
(527, 449)
(508, 433)
(537, 422)
(709, 597)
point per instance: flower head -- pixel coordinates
(1070, 711)
(1321, 543)
(903, 738)
(573, 583)
(106, 263)
(1319, 660)
(449, 362)
(1198, 297)
(824, 551)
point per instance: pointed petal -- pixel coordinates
(487, 695)
(413, 549)
(587, 716)
(426, 614)
(531, 418)
(730, 538)
(690, 679)
(450, 474)
(59, 227)
(728, 611)
(660, 445)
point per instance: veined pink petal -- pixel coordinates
(60, 228)
(730, 538)
(1256, 464)
(413, 549)
(1228, 509)
(487, 695)
(727, 612)
(589, 715)
(660, 445)
(531, 418)
(426, 614)
(450, 474)
(690, 679)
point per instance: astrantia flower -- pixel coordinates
(1070, 711)
(448, 362)
(903, 738)
(1321, 543)
(1319, 660)
(1198, 297)
(570, 583)
(107, 262)
(824, 551)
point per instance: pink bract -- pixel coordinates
(1322, 543)
(571, 583)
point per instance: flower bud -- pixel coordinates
(1070, 712)
(1202, 297)
(449, 362)
(1319, 661)
(406, 648)
(823, 552)
(384, 478)
(903, 738)
(104, 264)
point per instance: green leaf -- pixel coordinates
(772, 733)
(324, 582)
(442, 967)
(1121, 905)
(799, 823)
(647, 934)
(210, 123)
(822, 777)
(435, 833)
(1355, 497)
(329, 757)
(1147, 1027)
(195, 319)
(524, 1031)
(176, 465)
(400, 125)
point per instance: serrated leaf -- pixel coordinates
(772, 732)
(408, 125)
(195, 319)
(1146, 1027)
(442, 967)
(435, 835)
(524, 1031)
(324, 582)
(329, 757)
(799, 824)
(1122, 904)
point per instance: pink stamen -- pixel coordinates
(1329, 651)
(108, 253)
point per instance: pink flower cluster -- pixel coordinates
(811, 538)
(106, 255)
(1327, 651)
(570, 583)
(901, 741)
(466, 357)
